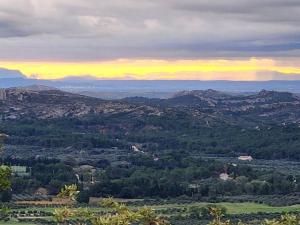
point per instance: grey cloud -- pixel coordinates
(93, 29)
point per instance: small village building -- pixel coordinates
(224, 176)
(245, 158)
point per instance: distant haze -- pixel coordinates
(115, 89)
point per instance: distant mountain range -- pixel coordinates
(203, 105)
(117, 89)
(10, 74)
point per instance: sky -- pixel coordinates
(157, 39)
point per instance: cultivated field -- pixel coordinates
(181, 210)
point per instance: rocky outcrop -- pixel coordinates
(2, 94)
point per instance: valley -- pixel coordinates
(193, 149)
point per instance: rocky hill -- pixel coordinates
(44, 103)
(17, 103)
(266, 105)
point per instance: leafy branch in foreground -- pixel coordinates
(117, 214)
(69, 191)
(5, 183)
(5, 171)
(284, 220)
(217, 214)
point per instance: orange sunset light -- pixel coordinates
(153, 69)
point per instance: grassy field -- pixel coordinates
(232, 208)
(238, 208)
(246, 208)
(15, 223)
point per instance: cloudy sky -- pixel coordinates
(157, 39)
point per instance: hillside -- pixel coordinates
(43, 102)
(17, 103)
(265, 106)
(265, 124)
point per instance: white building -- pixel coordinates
(224, 176)
(245, 158)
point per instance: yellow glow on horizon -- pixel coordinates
(153, 69)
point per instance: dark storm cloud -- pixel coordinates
(93, 29)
